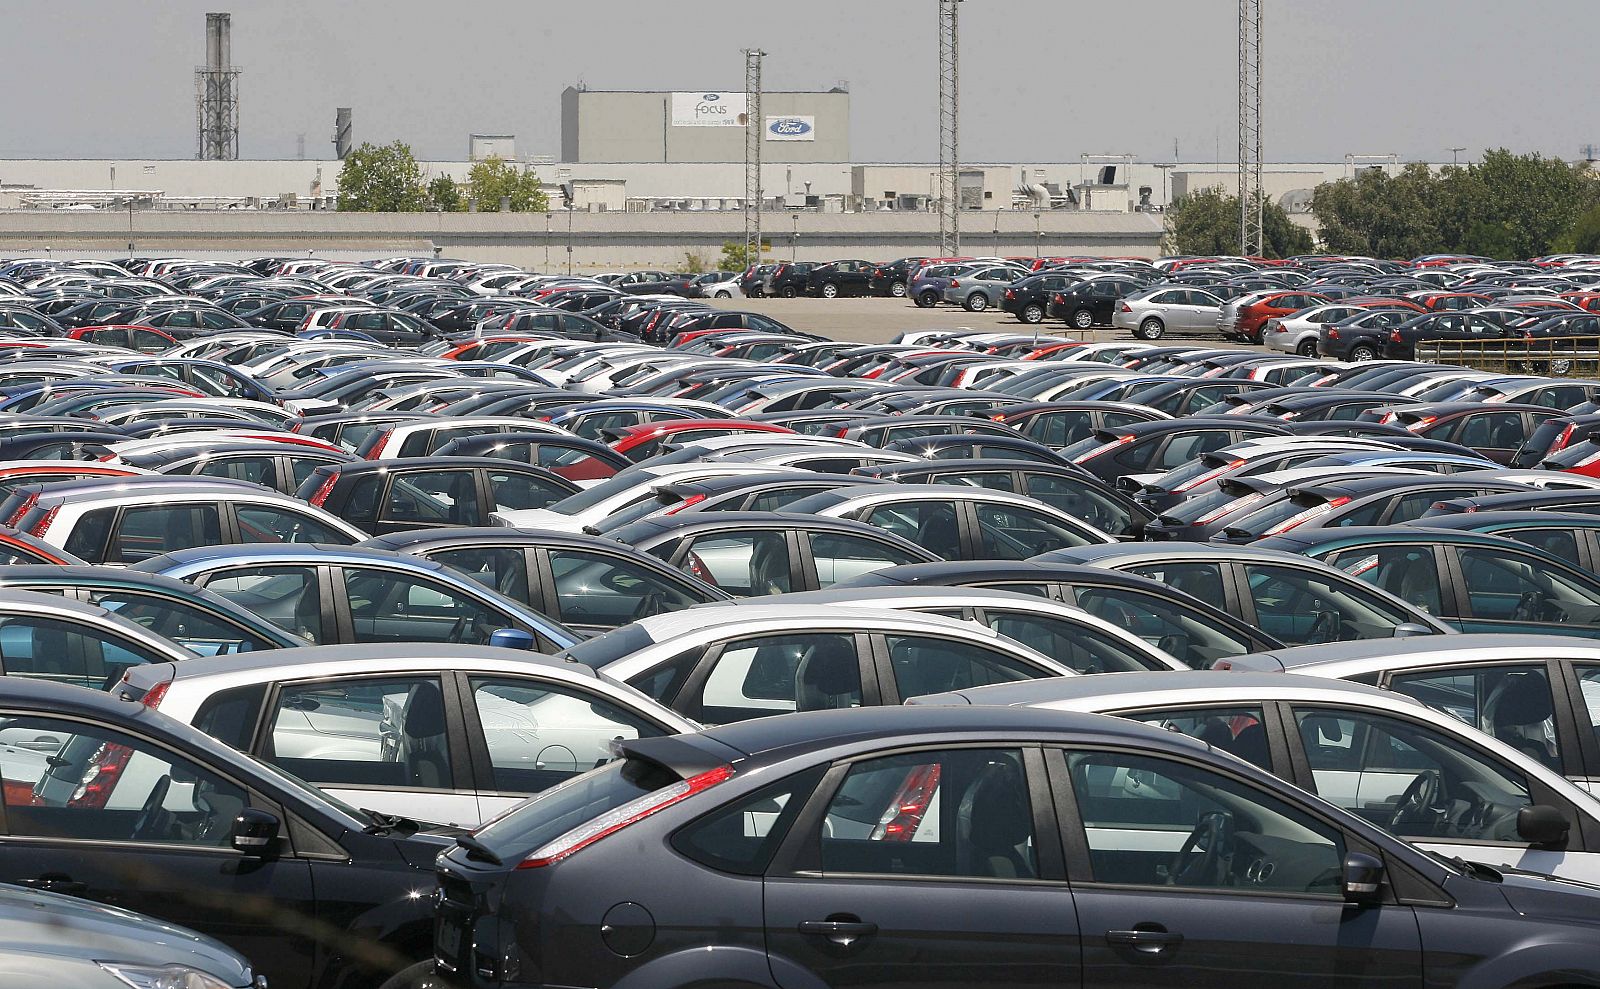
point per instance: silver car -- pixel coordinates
(1297, 332)
(1152, 313)
(982, 289)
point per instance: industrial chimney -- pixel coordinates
(217, 93)
(341, 132)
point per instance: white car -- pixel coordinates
(1423, 775)
(440, 733)
(623, 490)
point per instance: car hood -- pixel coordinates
(43, 924)
(1549, 897)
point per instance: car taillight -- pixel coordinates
(1307, 515)
(100, 776)
(1229, 508)
(1103, 448)
(22, 510)
(631, 812)
(155, 695)
(954, 283)
(1560, 443)
(322, 493)
(376, 453)
(697, 568)
(1059, 299)
(1010, 294)
(1126, 307)
(688, 502)
(1394, 337)
(1333, 334)
(43, 525)
(1209, 475)
(905, 812)
(1422, 423)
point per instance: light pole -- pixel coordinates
(794, 236)
(1455, 160)
(1164, 170)
(996, 233)
(1036, 215)
(569, 238)
(547, 242)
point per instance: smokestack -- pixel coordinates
(216, 93)
(219, 42)
(341, 132)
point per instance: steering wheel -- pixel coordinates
(154, 820)
(1203, 859)
(1324, 628)
(1528, 607)
(1416, 804)
(458, 630)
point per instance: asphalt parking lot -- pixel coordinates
(879, 320)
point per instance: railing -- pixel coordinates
(1562, 357)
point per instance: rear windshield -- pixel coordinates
(610, 647)
(578, 801)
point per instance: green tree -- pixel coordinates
(445, 194)
(382, 180)
(736, 257)
(494, 179)
(1207, 222)
(1584, 235)
(1379, 215)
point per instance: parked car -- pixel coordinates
(838, 278)
(1152, 313)
(381, 496)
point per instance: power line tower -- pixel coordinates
(949, 129)
(752, 153)
(216, 93)
(1252, 199)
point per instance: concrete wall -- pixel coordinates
(599, 241)
(603, 126)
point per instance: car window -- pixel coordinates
(271, 524)
(777, 674)
(195, 629)
(1512, 703)
(1155, 822)
(287, 596)
(67, 652)
(540, 734)
(88, 538)
(774, 501)
(1082, 647)
(742, 836)
(1185, 447)
(1505, 586)
(1080, 500)
(928, 665)
(1016, 532)
(503, 569)
(390, 733)
(83, 782)
(1187, 634)
(840, 556)
(744, 564)
(1414, 781)
(1240, 731)
(443, 497)
(143, 533)
(1200, 580)
(387, 606)
(256, 470)
(933, 525)
(1302, 606)
(959, 812)
(1408, 572)
(514, 491)
(601, 589)
(1491, 431)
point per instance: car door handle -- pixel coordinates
(1148, 941)
(56, 884)
(842, 930)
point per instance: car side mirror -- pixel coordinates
(1363, 879)
(255, 831)
(1542, 824)
(511, 638)
(1406, 630)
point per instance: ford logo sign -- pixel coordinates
(711, 97)
(789, 126)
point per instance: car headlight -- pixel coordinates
(164, 976)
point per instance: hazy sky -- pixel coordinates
(1042, 80)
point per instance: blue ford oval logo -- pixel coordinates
(711, 97)
(789, 126)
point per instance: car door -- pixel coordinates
(527, 734)
(393, 606)
(759, 675)
(1185, 876)
(934, 867)
(1431, 787)
(394, 743)
(1503, 590)
(937, 525)
(93, 811)
(1411, 572)
(297, 598)
(744, 563)
(838, 556)
(595, 591)
(1299, 605)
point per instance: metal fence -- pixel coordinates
(1564, 357)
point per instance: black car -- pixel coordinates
(891, 279)
(1154, 447)
(1089, 303)
(1066, 488)
(1028, 298)
(108, 800)
(281, 466)
(964, 845)
(751, 281)
(790, 278)
(382, 496)
(838, 278)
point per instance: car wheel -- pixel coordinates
(418, 976)
(789, 292)
(1151, 329)
(976, 302)
(1307, 348)
(724, 295)
(1363, 352)
(1032, 313)
(898, 290)
(830, 291)
(927, 299)
(1083, 319)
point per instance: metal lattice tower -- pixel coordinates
(949, 129)
(1252, 198)
(216, 94)
(752, 153)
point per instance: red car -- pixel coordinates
(1251, 318)
(645, 440)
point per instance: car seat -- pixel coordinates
(423, 737)
(1414, 580)
(993, 823)
(1515, 713)
(828, 676)
(940, 534)
(769, 566)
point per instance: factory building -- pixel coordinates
(702, 126)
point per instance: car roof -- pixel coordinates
(1365, 655)
(158, 486)
(1157, 688)
(701, 617)
(312, 552)
(1115, 552)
